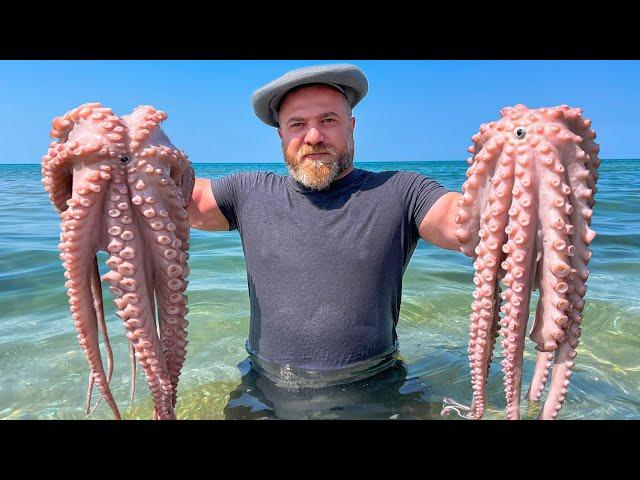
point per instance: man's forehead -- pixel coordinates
(309, 98)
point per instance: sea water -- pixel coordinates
(44, 373)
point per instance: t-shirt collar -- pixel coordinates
(345, 181)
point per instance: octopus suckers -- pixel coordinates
(126, 268)
(149, 212)
(115, 246)
(131, 298)
(127, 253)
(174, 271)
(163, 240)
(170, 254)
(157, 225)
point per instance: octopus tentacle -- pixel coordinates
(67, 187)
(495, 324)
(519, 265)
(543, 359)
(485, 316)
(580, 178)
(96, 293)
(479, 234)
(89, 393)
(549, 327)
(475, 190)
(78, 270)
(127, 280)
(57, 174)
(169, 273)
(133, 374)
(555, 223)
(162, 207)
(589, 154)
(569, 175)
(540, 374)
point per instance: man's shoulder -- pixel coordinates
(392, 173)
(391, 178)
(403, 185)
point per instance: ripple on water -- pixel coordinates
(44, 374)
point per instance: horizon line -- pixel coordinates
(282, 162)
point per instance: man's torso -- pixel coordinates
(325, 268)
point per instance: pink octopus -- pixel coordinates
(524, 217)
(120, 186)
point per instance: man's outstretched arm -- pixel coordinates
(439, 225)
(203, 210)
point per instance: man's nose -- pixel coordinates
(313, 136)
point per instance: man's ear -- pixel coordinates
(353, 123)
(280, 133)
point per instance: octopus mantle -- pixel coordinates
(120, 186)
(524, 217)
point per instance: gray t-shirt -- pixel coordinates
(325, 269)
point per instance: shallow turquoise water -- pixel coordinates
(43, 372)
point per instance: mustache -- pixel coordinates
(313, 149)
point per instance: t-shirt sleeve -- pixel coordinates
(230, 192)
(419, 193)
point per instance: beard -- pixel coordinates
(319, 174)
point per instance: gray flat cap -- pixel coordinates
(349, 79)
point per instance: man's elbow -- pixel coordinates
(441, 236)
(439, 227)
(196, 207)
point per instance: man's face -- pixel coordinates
(316, 129)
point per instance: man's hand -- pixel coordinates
(439, 226)
(203, 210)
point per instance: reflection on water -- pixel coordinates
(386, 395)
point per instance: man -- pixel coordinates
(326, 246)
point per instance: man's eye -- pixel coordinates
(294, 125)
(329, 120)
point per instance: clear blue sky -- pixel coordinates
(415, 110)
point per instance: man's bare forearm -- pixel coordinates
(448, 231)
(203, 210)
(439, 226)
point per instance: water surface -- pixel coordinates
(44, 374)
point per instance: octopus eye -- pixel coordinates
(520, 132)
(124, 159)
